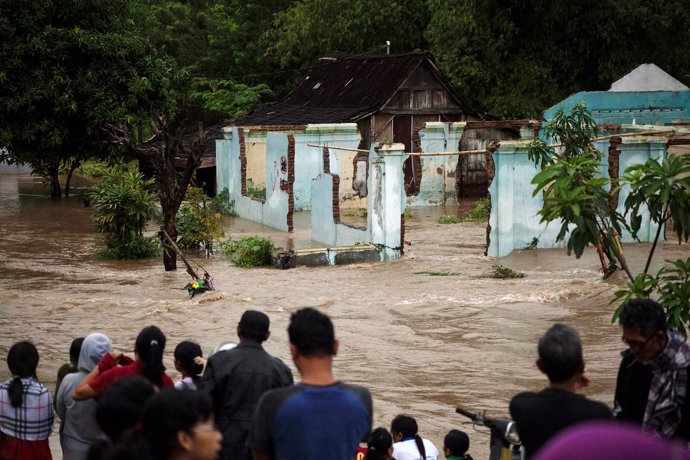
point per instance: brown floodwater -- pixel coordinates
(422, 344)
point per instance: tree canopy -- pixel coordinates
(69, 68)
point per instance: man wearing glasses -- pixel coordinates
(653, 385)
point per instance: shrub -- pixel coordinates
(123, 204)
(251, 251)
(480, 210)
(198, 222)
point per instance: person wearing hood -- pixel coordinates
(79, 428)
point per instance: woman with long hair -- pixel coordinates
(26, 408)
(148, 362)
(408, 444)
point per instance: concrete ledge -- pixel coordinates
(339, 255)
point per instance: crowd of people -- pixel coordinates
(242, 403)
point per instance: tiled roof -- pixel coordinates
(345, 89)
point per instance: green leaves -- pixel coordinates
(123, 205)
(248, 252)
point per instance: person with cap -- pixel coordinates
(235, 379)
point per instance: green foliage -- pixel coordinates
(314, 28)
(480, 210)
(198, 222)
(223, 204)
(576, 195)
(235, 99)
(248, 252)
(69, 69)
(123, 204)
(501, 272)
(515, 58)
(448, 220)
(256, 191)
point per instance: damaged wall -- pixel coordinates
(514, 220)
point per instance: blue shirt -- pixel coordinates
(308, 422)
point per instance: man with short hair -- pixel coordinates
(539, 416)
(653, 385)
(320, 417)
(236, 378)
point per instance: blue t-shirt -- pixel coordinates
(308, 422)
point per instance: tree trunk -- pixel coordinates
(54, 177)
(169, 254)
(75, 164)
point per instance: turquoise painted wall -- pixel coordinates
(437, 187)
(645, 108)
(514, 220)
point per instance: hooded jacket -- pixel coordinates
(79, 428)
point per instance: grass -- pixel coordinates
(448, 220)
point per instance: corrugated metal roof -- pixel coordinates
(346, 89)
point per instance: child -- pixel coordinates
(408, 444)
(71, 366)
(187, 364)
(455, 445)
(26, 408)
(380, 445)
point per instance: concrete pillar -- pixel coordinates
(386, 201)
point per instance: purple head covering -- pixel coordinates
(610, 441)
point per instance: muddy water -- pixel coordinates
(421, 343)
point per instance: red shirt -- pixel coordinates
(114, 373)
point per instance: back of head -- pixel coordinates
(149, 345)
(75, 350)
(170, 412)
(457, 442)
(22, 359)
(312, 333)
(185, 352)
(254, 325)
(407, 427)
(646, 314)
(378, 444)
(560, 353)
(120, 406)
(94, 347)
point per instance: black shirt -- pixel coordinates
(632, 392)
(539, 416)
(236, 379)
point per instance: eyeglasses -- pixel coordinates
(637, 345)
(203, 428)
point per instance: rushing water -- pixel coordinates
(421, 343)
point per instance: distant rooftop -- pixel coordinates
(648, 77)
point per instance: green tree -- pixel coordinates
(123, 204)
(516, 58)
(575, 194)
(199, 221)
(217, 45)
(178, 137)
(69, 69)
(314, 28)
